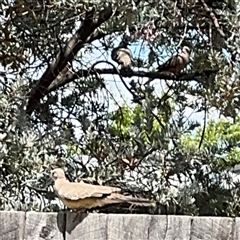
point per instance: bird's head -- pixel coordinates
(57, 173)
(186, 49)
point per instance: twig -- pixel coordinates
(135, 96)
(91, 22)
(205, 123)
(213, 18)
(71, 76)
(183, 36)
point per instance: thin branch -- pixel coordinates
(213, 18)
(204, 126)
(82, 36)
(83, 73)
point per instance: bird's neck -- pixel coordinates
(60, 181)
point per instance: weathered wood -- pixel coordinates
(212, 228)
(73, 226)
(169, 227)
(45, 226)
(236, 229)
(12, 225)
(83, 226)
(128, 227)
(157, 227)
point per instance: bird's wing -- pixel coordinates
(177, 63)
(76, 191)
(170, 63)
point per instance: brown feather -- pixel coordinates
(176, 63)
(85, 196)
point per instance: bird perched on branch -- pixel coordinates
(123, 55)
(176, 63)
(82, 196)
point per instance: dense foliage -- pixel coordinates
(64, 104)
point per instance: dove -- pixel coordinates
(122, 55)
(82, 196)
(176, 63)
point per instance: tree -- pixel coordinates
(55, 99)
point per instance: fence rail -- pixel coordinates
(69, 226)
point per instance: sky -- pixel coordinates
(122, 95)
(116, 87)
(114, 83)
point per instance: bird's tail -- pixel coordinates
(132, 200)
(140, 201)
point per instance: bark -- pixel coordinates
(87, 31)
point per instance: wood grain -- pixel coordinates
(44, 226)
(85, 226)
(12, 225)
(82, 226)
(128, 227)
(212, 228)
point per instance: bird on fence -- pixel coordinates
(82, 196)
(176, 63)
(123, 55)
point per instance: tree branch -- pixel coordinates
(213, 18)
(84, 34)
(71, 76)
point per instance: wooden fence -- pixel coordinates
(61, 226)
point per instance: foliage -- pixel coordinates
(221, 139)
(64, 104)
